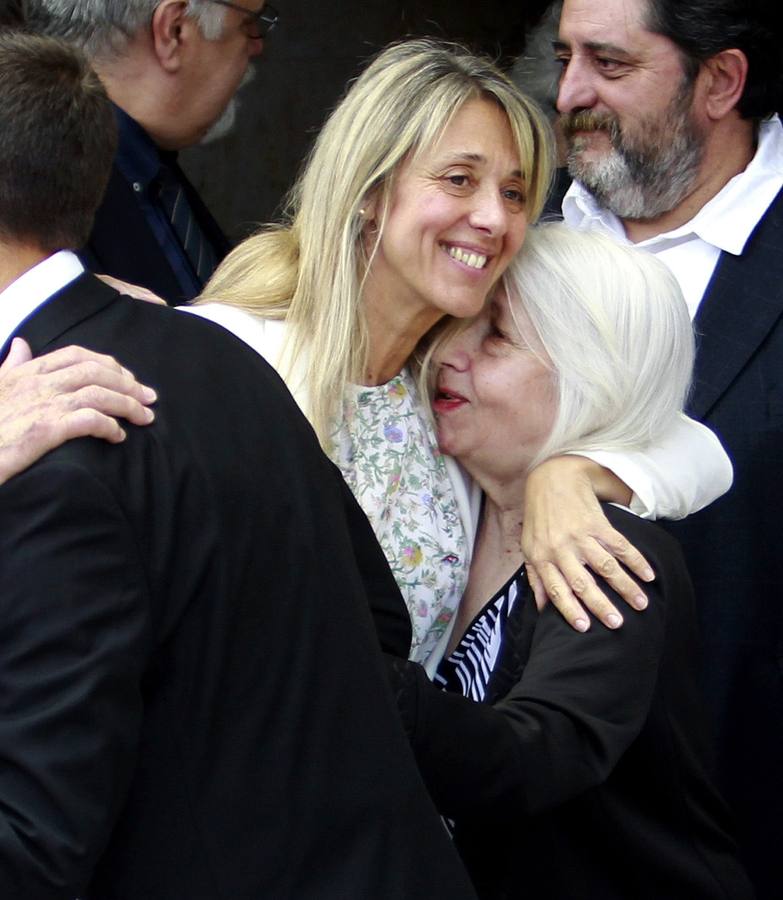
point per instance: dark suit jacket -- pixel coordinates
(733, 547)
(123, 245)
(192, 702)
(587, 777)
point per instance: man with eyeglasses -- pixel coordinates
(172, 69)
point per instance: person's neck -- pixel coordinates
(727, 153)
(501, 534)
(393, 334)
(496, 558)
(16, 259)
(135, 83)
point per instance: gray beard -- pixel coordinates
(225, 124)
(642, 179)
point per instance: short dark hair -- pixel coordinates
(702, 28)
(57, 141)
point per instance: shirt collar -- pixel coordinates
(31, 289)
(138, 156)
(726, 221)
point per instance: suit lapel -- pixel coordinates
(122, 243)
(77, 301)
(742, 303)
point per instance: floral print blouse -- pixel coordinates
(386, 449)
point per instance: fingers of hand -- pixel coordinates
(71, 368)
(583, 587)
(45, 378)
(616, 577)
(619, 547)
(18, 354)
(72, 356)
(106, 401)
(537, 586)
(131, 290)
(559, 592)
(87, 422)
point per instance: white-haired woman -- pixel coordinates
(582, 770)
(415, 198)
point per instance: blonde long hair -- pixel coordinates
(309, 270)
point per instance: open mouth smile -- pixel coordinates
(469, 258)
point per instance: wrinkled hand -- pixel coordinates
(66, 394)
(566, 534)
(131, 290)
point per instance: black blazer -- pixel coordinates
(123, 245)
(192, 701)
(733, 547)
(587, 777)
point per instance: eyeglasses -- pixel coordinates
(256, 25)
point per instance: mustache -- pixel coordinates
(587, 120)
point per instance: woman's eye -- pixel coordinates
(515, 196)
(459, 180)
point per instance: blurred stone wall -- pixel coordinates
(301, 75)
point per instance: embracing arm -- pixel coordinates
(686, 470)
(63, 395)
(74, 636)
(578, 705)
(566, 535)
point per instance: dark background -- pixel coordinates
(307, 61)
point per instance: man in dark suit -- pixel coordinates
(668, 113)
(192, 700)
(72, 393)
(172, 70)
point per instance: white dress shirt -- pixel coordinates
(22, 297)
(725, 223)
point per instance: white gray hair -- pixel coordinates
(104, 27)
(616, 329)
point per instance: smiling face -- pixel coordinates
(627, 109)
(456, 217)
(496, 398)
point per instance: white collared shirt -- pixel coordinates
(725, 223)
(23, 296)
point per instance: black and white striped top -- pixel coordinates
(468, 669)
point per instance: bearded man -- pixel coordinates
(668, 110)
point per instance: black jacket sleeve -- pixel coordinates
(579, 703)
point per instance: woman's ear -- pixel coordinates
(368, 213)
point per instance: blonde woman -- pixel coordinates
(413, 202)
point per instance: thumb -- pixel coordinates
(19, 353)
